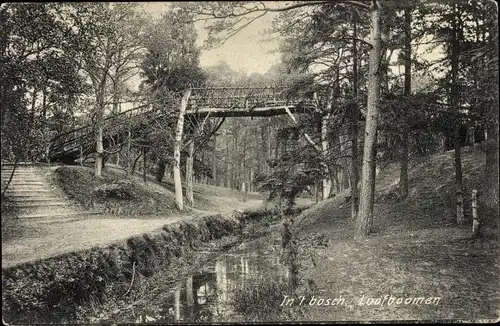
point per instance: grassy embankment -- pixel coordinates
(130, 196)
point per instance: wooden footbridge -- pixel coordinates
(203, 102)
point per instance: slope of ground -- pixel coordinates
(207, 198)
(131, 199)
(430, 202)
(416, 251)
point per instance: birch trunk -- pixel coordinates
(177, 151)
(327, 182)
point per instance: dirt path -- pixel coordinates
(29, 240)
(43, 239)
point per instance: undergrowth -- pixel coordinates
(112, 193)
(261, 301)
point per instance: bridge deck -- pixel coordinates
(265, 111)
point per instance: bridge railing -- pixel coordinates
(206, 97)
(241, 97)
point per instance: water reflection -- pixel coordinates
(206, 294)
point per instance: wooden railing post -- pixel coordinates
(475, 217)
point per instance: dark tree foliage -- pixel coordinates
(39, 76)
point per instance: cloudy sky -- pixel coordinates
(249, 51)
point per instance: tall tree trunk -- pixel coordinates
(374, 172)
(189, 175)
(327, 181)
(250, 181)
(454, 97)
(336, 179)
(354, 125)
(458, 176)
(235, 160)
(144, 165)
(177, 151)
(226, 161)
(99, 159)
(269, 131)
(403, 160)
(134, 165)
(161, 170)
(33, 106)
(44, 106)
(244, 162)
(45, 128)
(129, 157)
(99, 123)
(116, 110)
(214, 161)
(365, 214)
(490, 198)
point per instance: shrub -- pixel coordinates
(121, 189)
(261, 301)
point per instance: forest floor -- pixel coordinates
(25, 240)
(417, 250)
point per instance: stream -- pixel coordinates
(205, 295)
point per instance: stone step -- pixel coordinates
(48, 210)
(28, 199)
(56, 215)
(21, 189)
(17, 172)
(27, 183)
(28, 187)
(36, 177)
(22, 195)
(40, 204)
(24, 178)
(21, 172)
(30, 193)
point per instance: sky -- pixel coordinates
(248, 51)
(251, 51)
